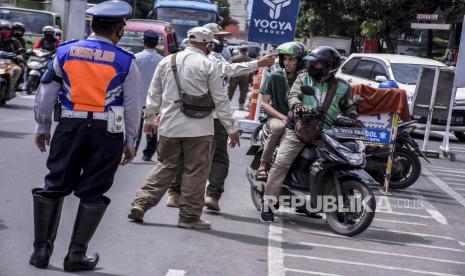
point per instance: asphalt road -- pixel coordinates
(427, 238)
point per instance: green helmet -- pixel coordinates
(295, 49)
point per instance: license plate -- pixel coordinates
(349, 133)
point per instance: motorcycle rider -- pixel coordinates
(322, 64)
(10, 44)
(275, 89)
(18, 33)
(48, 42)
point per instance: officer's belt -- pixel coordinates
(65, 113)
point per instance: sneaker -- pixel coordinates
(266, 216)
(212, 204)
(173, 200)
(199, 225)
(136, 214)
(146, 158)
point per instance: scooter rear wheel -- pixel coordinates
(358, 219)
(411, 171)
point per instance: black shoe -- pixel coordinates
(266, 216)
(146, 158)
(87, 219)
(47, 213)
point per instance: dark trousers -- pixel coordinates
(151, 146)
(243, 83)
(83, 158)
(219, 168)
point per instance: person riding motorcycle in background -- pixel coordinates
(322, 64)
(276, 89)
(18, 33)
(48, 42)
(10, 44)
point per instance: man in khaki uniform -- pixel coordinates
(182, 137)
(243, 80)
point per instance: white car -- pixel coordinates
(372, 69)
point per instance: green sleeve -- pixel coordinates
(267, 86)
(347, 104)
(295, 95)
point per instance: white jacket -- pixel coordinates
(197, 75)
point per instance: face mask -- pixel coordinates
(18, 34)
(5, 34)
(315, 73)
(218, 48)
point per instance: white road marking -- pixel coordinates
(314, 232)
(371, 265)
(275, 250)
(445, 174)
(29, 97)
(446, 188)
(458, 184)
(404, 214)
(173, 272)
(401, 222)
(411, 233)
(311, 272)
(397, 254)
(462, 243)
(434, 168)
(432, 210)
(458, 173)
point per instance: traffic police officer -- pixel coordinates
(98, 86)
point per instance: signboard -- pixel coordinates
(377, 135)
(7, 3)
(460, 71)
(377, 127)
(430, 26)
(273, 21)
(424, 93)
(430, 17)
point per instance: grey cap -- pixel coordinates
(244, 47)
(216, 29)
(200, 34)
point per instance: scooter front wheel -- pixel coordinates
(359, 209)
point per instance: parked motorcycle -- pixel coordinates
(37, 65)
(406, 168)
(335, 170)
(7, 91)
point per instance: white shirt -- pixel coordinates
(197, 75)
(147, 61)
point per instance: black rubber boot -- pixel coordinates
(47, 213)
(87, 219)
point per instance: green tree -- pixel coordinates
(344, 17)
(223, 8)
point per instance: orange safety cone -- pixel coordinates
(257, 79)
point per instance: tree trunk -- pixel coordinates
(389, 43)
(429, 44)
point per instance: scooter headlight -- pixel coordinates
(355, 158)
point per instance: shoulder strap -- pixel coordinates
(174, 68)
(332, 86)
